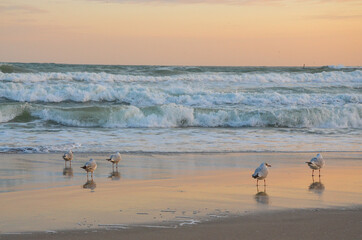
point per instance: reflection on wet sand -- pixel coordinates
(66, 165)
(90, 184)
(316, 187)
(261, 196)
(115, 175)
(68, 172)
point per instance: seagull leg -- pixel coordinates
(116, 166)
(319, 172)
(92, 175)
(264, 183)
(70, 163)
(312, 172)
(257, 182)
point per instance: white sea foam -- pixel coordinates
(285, 77)
(189, 222)
(156, 95)
(41, 148)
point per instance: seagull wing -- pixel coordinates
(257, 172)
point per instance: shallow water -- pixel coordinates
(167, 190)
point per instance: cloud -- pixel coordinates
(235, 2)
(337, 17)
(24, 9)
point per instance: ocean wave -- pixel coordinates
(142, 96)
(178, 93)
(173, 115)
(274, 77)
(9, 68)
(161, 70)
(341, 66)
(41, 149)
(57, 149)
(9, 112)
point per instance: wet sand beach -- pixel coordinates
(293, 224)
(180, 196)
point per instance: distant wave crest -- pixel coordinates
(340, 66)
(9, 68)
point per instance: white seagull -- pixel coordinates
(115, 159)
(261, 172)
(316, 163)
(68, 156)
(90, 166)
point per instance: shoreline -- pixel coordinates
(39, 194)
(329, 224)
(181, 153)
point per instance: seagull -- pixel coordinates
(316, 163)
(90, 166)
(115, 158)
(261, 173)
(68, 156)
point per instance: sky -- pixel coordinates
(182, 32)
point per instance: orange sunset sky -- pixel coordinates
(182, 32)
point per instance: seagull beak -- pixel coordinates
(268, 165)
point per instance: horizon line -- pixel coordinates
(179, 65)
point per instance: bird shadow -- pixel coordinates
(261, 196)
(316, 187)
(90, 184)
(115, 175)
(68, 172)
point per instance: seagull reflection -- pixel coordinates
(115, 175)
(68, 172)
(90, 184)
(261, 197)
(316, 187)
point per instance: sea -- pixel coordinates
(50, 108)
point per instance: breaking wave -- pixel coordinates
(273, 77)
(54, 107)
(173, 115)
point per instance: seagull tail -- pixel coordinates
(254, 175)
(108, 159)
(84, 167)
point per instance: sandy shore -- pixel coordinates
(199, 195)
(293, 224)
